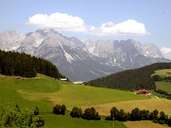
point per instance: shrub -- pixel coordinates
(63, 109)
(114, 112)
(17, 108)
(59, 109)
(135, 114)
(162, 118)
(108, 118)
(169, 121)
(90, 114)
(37, 122)
(20, 119)
(36, 111)
(76, 112)
(156, 78)
(154, 115)
(122, 116)
(145, 115)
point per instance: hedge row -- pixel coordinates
(116, 114)
(89, 113)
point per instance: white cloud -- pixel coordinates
(165, 50)
(66, 22)
(126, 27)
(60, 21)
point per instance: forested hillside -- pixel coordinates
(131, 79)
(21, 64)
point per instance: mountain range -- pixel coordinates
(82, 60)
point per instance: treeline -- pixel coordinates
(21, 64)
(159, 78)
(131, 79)
(18, 118)
(163, 93)
(137, 115)
(116, 114)
(88, 114)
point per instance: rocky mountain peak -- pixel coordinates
(78, 60)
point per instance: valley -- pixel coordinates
(35, 84)
(49, 92)
(45, 92)
(85, 64)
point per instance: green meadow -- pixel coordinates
(57, 121)
(45, 92)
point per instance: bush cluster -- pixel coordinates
(36, 111)
(15, 117)
(59, 109)
(76, 112)
(137, 115)
(91, 114)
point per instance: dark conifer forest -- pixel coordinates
(21, 64)
(131, 79)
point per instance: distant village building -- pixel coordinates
(78, 82)
(63, 79)
(143, 92)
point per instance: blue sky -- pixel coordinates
(155, 15)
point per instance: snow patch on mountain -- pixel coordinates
(151, 50)
(38, 42)
(80, 60)
(68, 57)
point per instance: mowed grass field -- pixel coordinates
(15, 90)
(163, 85)
(160, 104)
(45, 92)
(163, 72)
(143, 124)
(53, 121)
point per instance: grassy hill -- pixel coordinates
(131, 79)
(45, 92)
